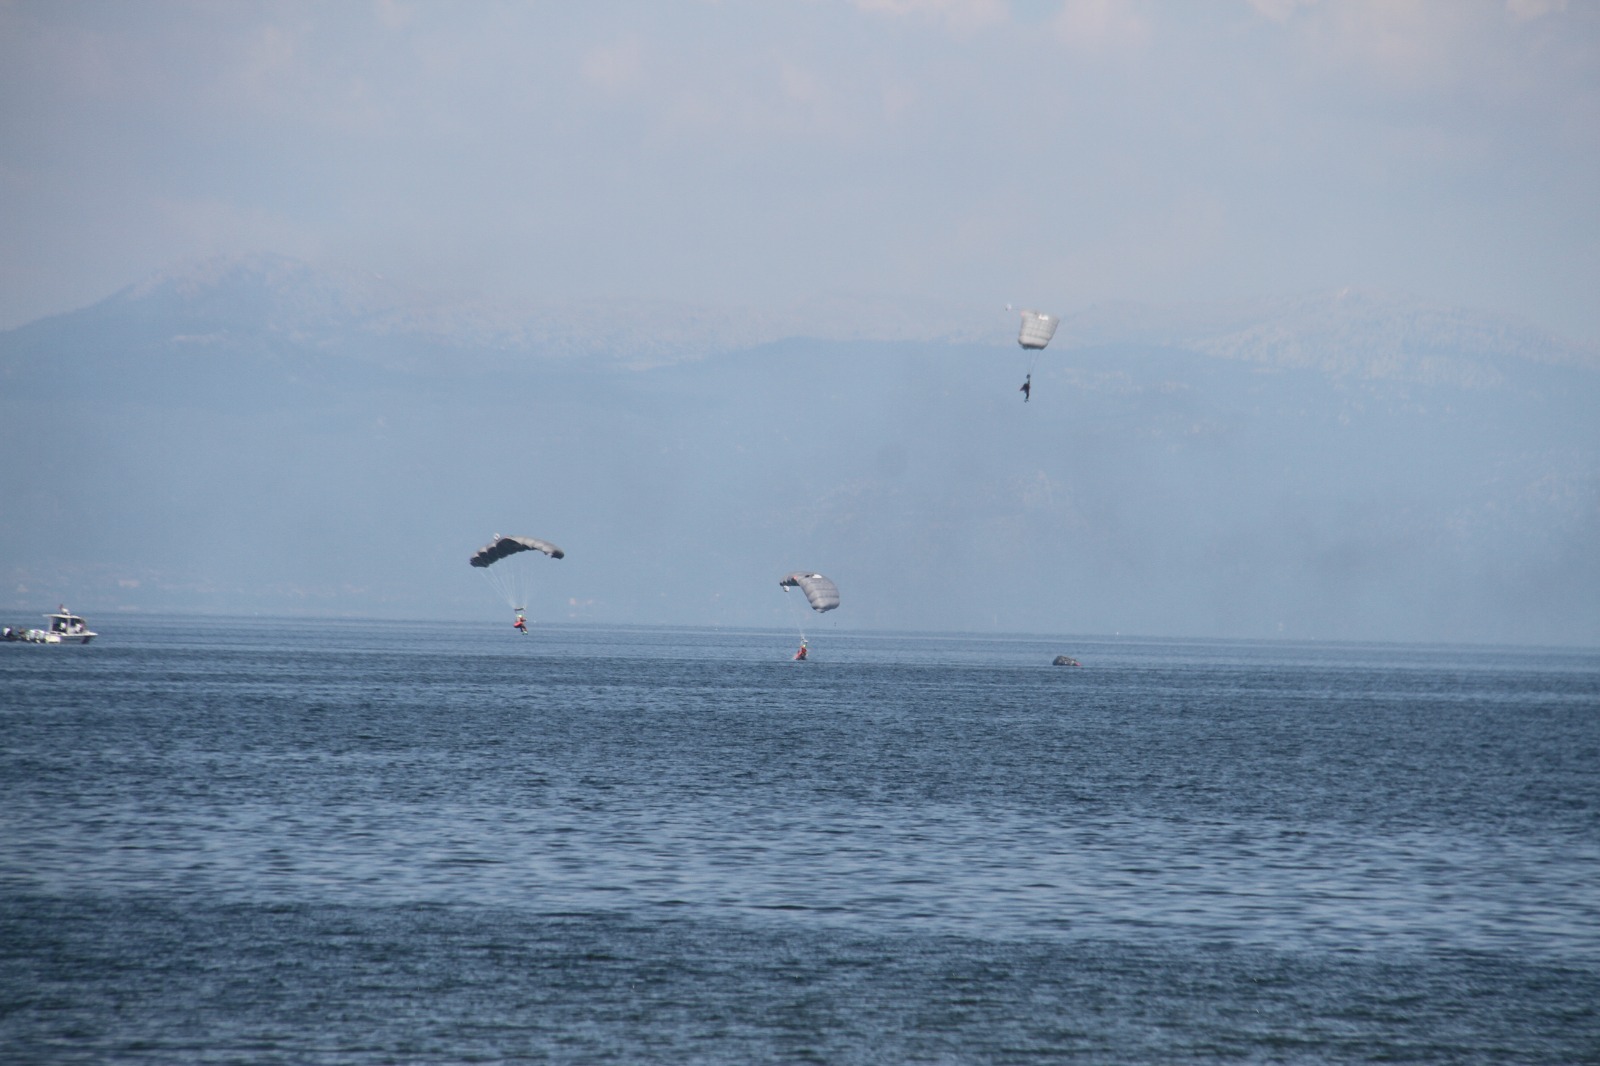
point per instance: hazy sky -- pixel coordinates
(1058, 152)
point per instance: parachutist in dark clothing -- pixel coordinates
(1027, 388)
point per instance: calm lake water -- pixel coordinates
(317, 842)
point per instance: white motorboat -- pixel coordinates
(63, 627)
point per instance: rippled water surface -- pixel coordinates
(339, 843)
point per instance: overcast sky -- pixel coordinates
(1054, 152)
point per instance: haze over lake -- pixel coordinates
(254, 435)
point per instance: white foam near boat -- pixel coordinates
(64, 628)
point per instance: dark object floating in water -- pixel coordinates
(1065, 660)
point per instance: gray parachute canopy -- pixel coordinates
(823, 594)
(1037, 329)
(501, 547)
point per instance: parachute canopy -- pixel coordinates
(508, 564)
(501, 547)
(823, 594)
(1037, 329)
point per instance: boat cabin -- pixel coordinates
(68, 626)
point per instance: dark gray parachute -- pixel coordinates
(822, 593)
(508, 564)
(501, 547)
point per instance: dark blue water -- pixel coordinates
(341, 843)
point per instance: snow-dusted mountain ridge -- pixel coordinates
(1349, 332)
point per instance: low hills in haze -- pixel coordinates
(255, 435)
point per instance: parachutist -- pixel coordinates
(821, 593)
(1037, 329)
(505, 563)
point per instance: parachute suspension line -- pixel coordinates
(507, 564)
(508, 585)
(800, 616)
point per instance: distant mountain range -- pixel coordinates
(1348, 332)
(256, 434)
